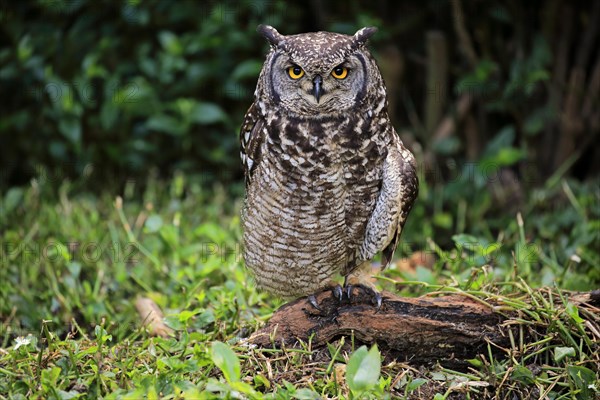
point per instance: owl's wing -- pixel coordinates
(251, 138)
(398, 192)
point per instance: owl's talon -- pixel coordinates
(313, 302)
(377, 298)
(349, 291)
(338, 292)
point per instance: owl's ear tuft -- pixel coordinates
(362, 35)
(275, 38)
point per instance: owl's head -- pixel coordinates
(318, 74)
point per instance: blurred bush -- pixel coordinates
(107, 90)
(112, 88)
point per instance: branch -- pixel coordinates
(466, 45)
(425, 330)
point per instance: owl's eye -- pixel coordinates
(295, 72)
(339, 72)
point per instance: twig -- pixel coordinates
(464, 39)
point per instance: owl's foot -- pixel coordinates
(337, 292)
(377, 299)
(361, 277)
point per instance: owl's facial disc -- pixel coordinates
(318, 87)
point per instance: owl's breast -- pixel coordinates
(310, 199)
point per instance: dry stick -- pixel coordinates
(587, 44)
(463, 35)
(391, 64)
(437, 80)
(560, 65)
(572, 125)
(448, 125)
(152, 317)
(472, 138)
(559, 76)
(591, 102)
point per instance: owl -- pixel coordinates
(329, 183)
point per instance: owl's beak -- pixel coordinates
(318, 88)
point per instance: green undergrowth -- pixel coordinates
(73, 265)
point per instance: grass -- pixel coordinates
(73, 265)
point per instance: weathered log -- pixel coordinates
(425, 330)
(448, 330)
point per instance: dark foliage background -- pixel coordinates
(108, 90)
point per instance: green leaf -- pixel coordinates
(463, 240)
(108, 115)
(173, 322)
(70, 128)
(503, 139)
(50, 375)
(243, 387)
(447, 146)
(207, 113)
(562, 352)
(226, 360)
(508, 156)
(153, 223)
(69, 395)
(24, 48)
(170, 42)
(573, 312)
(247, 69)
(415, 384)
(583, 378)
(333, 352)
(443, 220)
(261, 380)
(165, 123)
(101, 335)
(522, 374)
(476, 362)
(206, 318)
(12, 199)
(306, 394)
(363, 369)
(186, 314)
(425, 275)
(211, 231)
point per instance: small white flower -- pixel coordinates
(22, 341)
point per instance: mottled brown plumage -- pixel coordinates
(328, 182)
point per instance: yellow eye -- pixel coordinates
(295, 72)
(339, 72)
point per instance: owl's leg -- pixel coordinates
(361, 276)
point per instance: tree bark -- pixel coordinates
(425, 330)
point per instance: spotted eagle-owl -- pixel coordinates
(329, 183)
